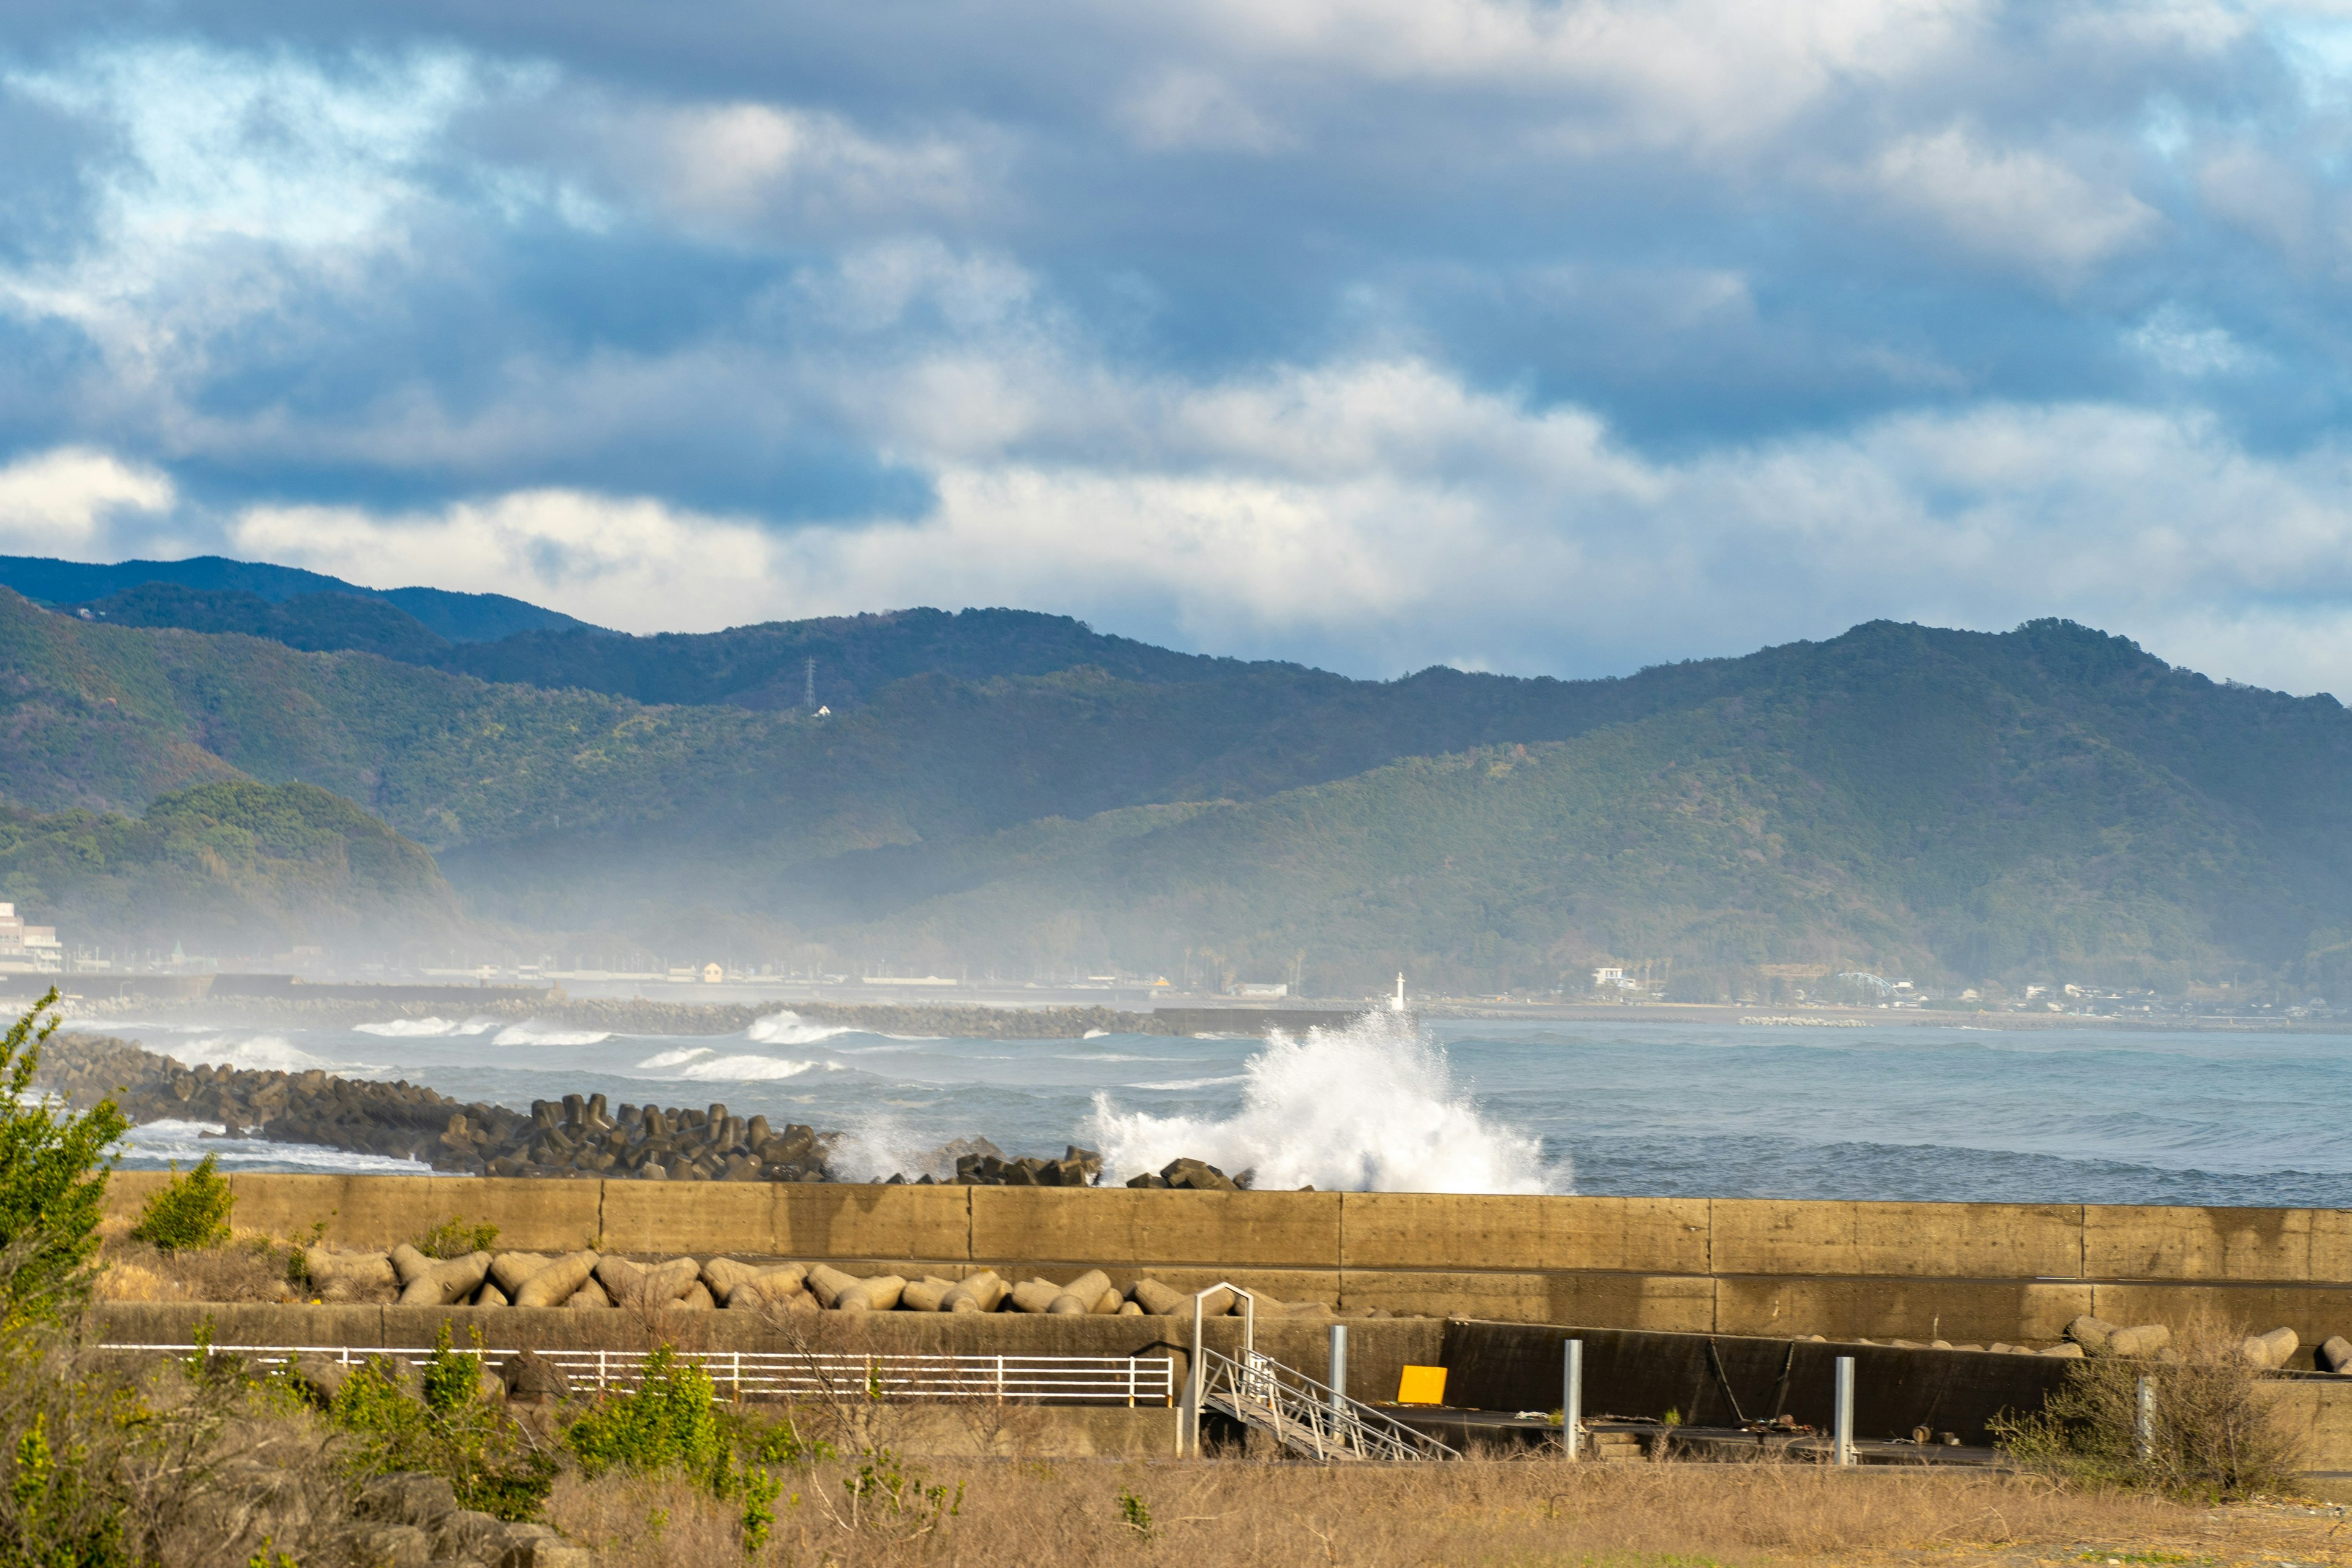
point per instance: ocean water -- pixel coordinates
(1608, 1105)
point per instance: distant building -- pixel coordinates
(1262, 988)
(28, 949)
(712, 974)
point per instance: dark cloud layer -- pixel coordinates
(1555, 336)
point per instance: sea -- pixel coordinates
(1605, 1105)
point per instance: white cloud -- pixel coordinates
(211, 149)
(732, 164)
(1178, 107)
(61, 503)
(2016, 205)
(631, 564)
(1380, 516)
(1711, 74)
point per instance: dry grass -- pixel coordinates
(1228, 1514)
(244, 1271)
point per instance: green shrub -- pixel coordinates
(669, 1421)
(191, 1213)
(53, 1169)
(452, 1237)
(672, 1421)
(488, 1458)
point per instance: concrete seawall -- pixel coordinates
(1958, 1272)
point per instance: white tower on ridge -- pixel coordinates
(1398, 1005)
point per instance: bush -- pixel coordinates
(191, 1214)
(488, 1457)
(671, 1421)
(452, 1237)
(2212, 1435)
(53, 1169)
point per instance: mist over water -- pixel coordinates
(1625, 1105)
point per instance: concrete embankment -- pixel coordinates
(1954, 1271)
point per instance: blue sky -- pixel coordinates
(1560, 337)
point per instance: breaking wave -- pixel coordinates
(790, 1029)
(425, 1028)
(531, 1032)
(1372, 1107)
(702, 1065)
(263, 1053)
(153, 1144)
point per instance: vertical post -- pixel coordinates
(1193, 1389)
(1843, 1426)
(1338, 1377)
(2144, 1421)
(1572, 1399)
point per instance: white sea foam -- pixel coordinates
(531, 1032)
(1371, 1108)
(426, 1029)
(876, 1147)
(699, 1064)
(153, 1144)
(789, 1029)
(1198, 1082)
(263, 1053)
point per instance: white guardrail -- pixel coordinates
(770, 1375)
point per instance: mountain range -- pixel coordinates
(998, 789)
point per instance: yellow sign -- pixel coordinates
(1421, 1386)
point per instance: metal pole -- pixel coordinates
(1338, 1378)
(1572, 1399)
(2144, 1421)
(1843, 1426)
(1193, 1388)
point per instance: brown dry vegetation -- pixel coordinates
(249, 1268)
(1227, 1514)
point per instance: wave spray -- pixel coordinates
(1372, 1107)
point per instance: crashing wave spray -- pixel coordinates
(1372, 1107)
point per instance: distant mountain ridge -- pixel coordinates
(998, 788)
(452, 616)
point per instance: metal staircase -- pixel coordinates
(1308, 1417)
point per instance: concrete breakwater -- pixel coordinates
(1960, 1272)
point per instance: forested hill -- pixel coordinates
(1018, 790)
(229, 870)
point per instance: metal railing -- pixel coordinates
(1309, 1416)
(1018, 1379)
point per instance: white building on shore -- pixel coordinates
(28, 949)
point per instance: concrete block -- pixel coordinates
(1924, 1310)
(2205, 1244)
(912, 1224)
(2320, 1414)
(2316, 1312)
(1995, 1241)
(1113, 1226)
(1639, 1300)
(1444, 1230)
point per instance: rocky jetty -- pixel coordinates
(579, 1135)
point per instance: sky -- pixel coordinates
(1563, 338)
